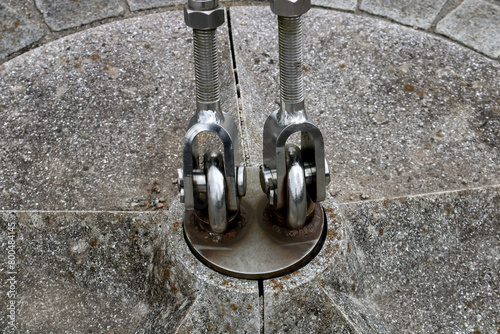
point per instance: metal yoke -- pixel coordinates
(225, 128)
(276, 134)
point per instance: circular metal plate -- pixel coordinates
(255, 247)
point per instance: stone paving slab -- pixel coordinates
(16, 32)
(402, 112)
(73, 15)
(63, 14)
(95, 121)
(413, 13)
(422, 264)
(476, 24)
(147, 4)
(121, 272)
(349, 5)
(305, 309)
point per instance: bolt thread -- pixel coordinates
(291, 59)
(206, 65)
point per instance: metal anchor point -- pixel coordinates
(278, 226)
(289, 172)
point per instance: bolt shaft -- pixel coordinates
(290, 63)
(206, 70)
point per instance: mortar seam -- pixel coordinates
(239, 105)
(187, 314)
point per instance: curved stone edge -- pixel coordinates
(16, 32)
(391, 102)
(62, 15)
(392, 9)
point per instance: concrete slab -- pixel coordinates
(420, 264)
(305, 309)
(146, 4)
(349, 5)
(413, 13)
(95, 121)
(16, 32)
(61, 14)
(430, 263)
(476, 24)
(402, 112)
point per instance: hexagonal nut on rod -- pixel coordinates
(203, 14)
(290, 8)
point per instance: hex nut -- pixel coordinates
(204, 19)
(290, 8)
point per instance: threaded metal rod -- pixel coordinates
(291, 59)
(206, 64)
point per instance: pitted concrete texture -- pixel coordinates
(472, 23)
(147, 4)
(127, 272)
(63, 14)
(416, 13)
(421, 264)
(349, 5)
(401, 111)
(16, 32)
(95, 121)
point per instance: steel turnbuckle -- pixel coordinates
(214, 189)
(292, 177)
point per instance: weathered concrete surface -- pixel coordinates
(63, 14)
(413, 13)
(423, 264)
(95, 121)
(110, 271)
(402, 112)
(16, 32)
(476, 24)
(420, 264)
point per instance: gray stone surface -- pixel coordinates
(422, 264)
(337, 4)
(476, 24)
(16, 32)
(431, 263)
(413, 13)
(117, 272)
(402, 112)
(146, 4)
(95, 121)
(63, 14)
